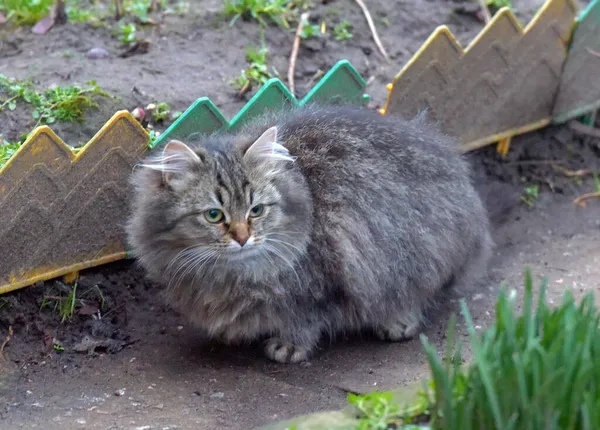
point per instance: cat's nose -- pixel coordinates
(240, 233)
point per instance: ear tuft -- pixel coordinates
(175, 159)
(267, 147)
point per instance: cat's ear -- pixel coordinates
(267, 147)
(175, 162)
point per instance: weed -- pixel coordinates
(596, 184)
(127, 33)
(7, 149)
(499, 4)
(68, 299)
(25, 12)
(152, 136)
(278, 11)
(161, 112)
(530, 195)
(310, 30)
(257, 73)
(341, 31)
(379, 411)
(56, 104)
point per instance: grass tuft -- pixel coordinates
(534, 369)
(277, 11)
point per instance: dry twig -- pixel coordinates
(594, 53)
(571, 173)
(363, 6)
(6, 340)
(303, 18)
(581, 200)
(584, 129)
(487, 16)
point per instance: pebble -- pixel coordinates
(97, 54)
(120, 392)
(218, 395)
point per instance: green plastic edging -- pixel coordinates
(341, 84)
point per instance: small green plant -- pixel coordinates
(310, 30)
(127, 33)
(257, 73)
(596, 184)
(499, 4)
(161, 112)
(530, 195)
(341, 31)
(25, 12)
(278, 11)
(379, 411)
(68, 299)
(7, 149)
(56, 104)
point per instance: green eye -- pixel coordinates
(257, 211)
(214, 215)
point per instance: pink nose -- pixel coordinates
(240, 233)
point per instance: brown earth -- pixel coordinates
(150, 370)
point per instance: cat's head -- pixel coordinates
(222, 204)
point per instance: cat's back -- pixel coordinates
(351, 143)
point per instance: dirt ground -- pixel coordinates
(149, 369)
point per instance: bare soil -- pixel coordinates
(135, 364)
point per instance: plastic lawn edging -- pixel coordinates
(503, 84)
(341, 84)
(62, 212)
(580, 81)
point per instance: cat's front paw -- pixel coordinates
(284, 352)
(398, 331)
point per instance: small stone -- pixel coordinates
(80, 421)
(218, 395)
(97, 54)
(120, 392)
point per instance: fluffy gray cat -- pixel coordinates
(319, 220)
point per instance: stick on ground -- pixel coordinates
(363, 6)
(292, 68)
(487, 16)
(581, 200)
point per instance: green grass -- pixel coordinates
(257, 73)
(498, 4)
(341, 32)
(533, 369)
(56, 104)
(278, 11)
(7, 149)
(530, 195)
(25, 12)
(65, 300)
(126, 33)
(596, 184)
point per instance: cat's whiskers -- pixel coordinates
(188, 259)
(270, 239)
(278, 253)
